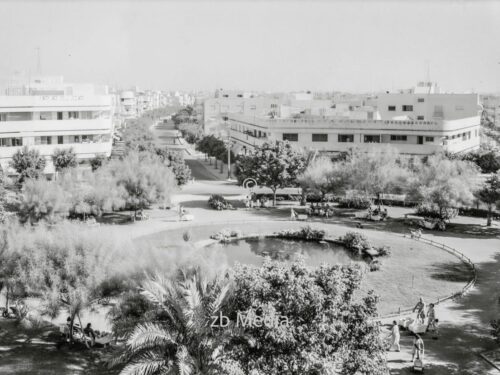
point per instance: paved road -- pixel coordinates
(200, 172)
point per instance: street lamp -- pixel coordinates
(228, 146)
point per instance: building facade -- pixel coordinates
(414, 123)
(48, 114)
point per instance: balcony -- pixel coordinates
(33, 128)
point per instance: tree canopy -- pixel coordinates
(28, 163)
(63, 159)
(274, 166)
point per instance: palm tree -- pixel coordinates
(181, 341)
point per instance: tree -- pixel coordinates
(75, 262)
(378, 171)
(490, 194)
(274, 166)
(97, 162)
(489, 162)
(175, 161)
(64, 159)
(143, 177)
(28, 164)
(42, 199)
(180, 340)
(444, 184)
(300, 320)
(321, 176)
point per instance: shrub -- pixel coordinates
(226, 235)
(305, 233)
(355, 201)
(383, 250)
(218, 202)
(432, 211)
(355, 242)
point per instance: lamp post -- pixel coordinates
(228, 146)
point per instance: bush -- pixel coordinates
(305, 233)
(226, 235)
(477, 212)
(218, 202)
(355, 242)
(383, 250)
(431, 211)
(356, 201)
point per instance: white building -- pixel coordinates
(414, 122)
(48, 114)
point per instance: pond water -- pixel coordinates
(252, 251)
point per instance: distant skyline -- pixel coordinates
(356, 46)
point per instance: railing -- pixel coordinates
(457, 294)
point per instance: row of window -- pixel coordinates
(59, 139)
(71, 115)
(349, 138)
(11, 142)
(404, 108)
(65, 139)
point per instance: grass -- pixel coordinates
(412, 270)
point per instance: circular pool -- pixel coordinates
(253, 251)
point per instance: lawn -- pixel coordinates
(413, 270)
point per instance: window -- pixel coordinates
(420, 118)
(19, 116)
(11, 142)
(59, 115)
(391, 108)
(72, 115)
(429, 139)
(372, 139)
(45, 115)
(407, 108)
(76, 139)
(420, 100)
(396, 137)
(60, 139)
(291, 137)
(46, 140)
(320, 137)
(346, 138)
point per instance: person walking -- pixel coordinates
(395, 336)
(420, 309)
(418, 348)
(431, 316)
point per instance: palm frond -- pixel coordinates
(149, 363)
(217, 303)
(148, 335)
(183, 361)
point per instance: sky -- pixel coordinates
(356, 46)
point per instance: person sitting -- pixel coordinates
(89, 332)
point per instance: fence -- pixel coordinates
(457, 294)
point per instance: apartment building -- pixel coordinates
(48, 114)
(421, 121)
